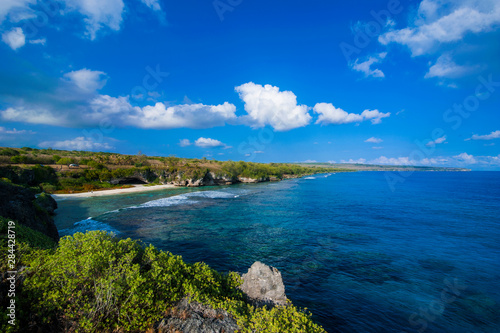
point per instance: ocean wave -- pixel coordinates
(310, 178)
(166, 202)
(187, 198)
(88, 225)
(212, 194)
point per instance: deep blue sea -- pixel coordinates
(422, 256)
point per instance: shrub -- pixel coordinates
(33, 238)
(49, 188)
(9, 152)
(44, 174)
(65, 161)
(19, 159)
(95, 282)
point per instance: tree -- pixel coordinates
(65, 161)
(9, 152)
(19, 159)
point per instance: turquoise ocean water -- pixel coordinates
(421, 257)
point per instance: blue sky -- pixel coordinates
(385, 82)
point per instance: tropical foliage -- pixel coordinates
(96, 282)
(55, 173)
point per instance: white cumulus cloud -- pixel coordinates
(464, 157)
(374, 140)
(186, 115)
(351, 161)
(14, 38)
(459, 34)
(267, 105)
(75, 102)
(153, 4)
(98, 14)
(491, 136)
(79, 143)
(16, 9)
(435, 142)
(209, 143)
(14, 131)
(35, 115)
(329, 114)
(392, 161)
(87, 80)
(365, 66)
(184, 142)
(442, 22)
(40, 41)
(445, 67)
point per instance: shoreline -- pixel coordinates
(102, 193)
(142, 188)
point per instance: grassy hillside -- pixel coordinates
(55, 170)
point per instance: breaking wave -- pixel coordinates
(88, 225)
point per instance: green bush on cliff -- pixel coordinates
(97, 282)
(33, 238)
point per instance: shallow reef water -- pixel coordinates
(360, 255)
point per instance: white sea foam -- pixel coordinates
(310, 178)
(88, 225)
(187, 198)
(166, 202)
(211, 194)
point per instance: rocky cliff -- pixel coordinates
(207, 179)
(20, 204)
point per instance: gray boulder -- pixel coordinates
(194, 317)
(264, 285)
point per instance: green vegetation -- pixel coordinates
(95, 282)
(97, 170)
(23, 235)
(9, 152)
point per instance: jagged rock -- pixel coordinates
(253, 180)
(213, 179)
(264, 285)
(19, 204)
(194, 317)
(247, 180)
(195, 182)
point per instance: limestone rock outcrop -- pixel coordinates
(194, 317)
(264, 285)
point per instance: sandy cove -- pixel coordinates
(134, 189)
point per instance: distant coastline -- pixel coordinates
(375, 167)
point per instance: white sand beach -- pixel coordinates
(134, 189)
